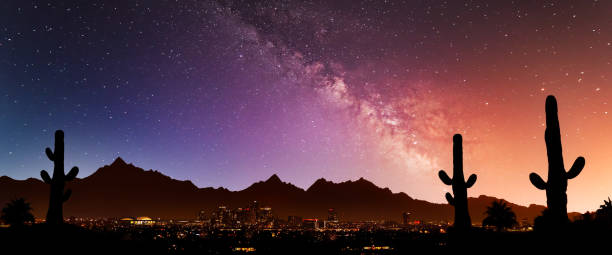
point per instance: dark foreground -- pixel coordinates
(74, 239)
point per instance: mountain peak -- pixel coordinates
(319, 184)
(6, 178)
(320, 181)
(363, 181)
(272, 185)
(119, 162)
(274, 179)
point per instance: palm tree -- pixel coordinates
(17, 213)
(500, 216)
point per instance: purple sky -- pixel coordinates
(226, 94)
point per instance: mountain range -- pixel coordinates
(121, 189)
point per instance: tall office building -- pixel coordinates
(332, 215)
(406, 218)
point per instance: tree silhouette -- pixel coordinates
(57, 196)
(460, 186)
(606, 207)
(556, 186)
(500, 216)
(17, 213)
(604, 213)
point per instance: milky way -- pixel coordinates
(227, 93)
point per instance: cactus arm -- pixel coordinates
(45, 176)
(67, 195)
(450, 199)
(470, 182)
(576, 168)
(72, 174)
(50, 154)
(444, 177)
(537, 181)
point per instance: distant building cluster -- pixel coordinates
(262, 217)
(257, 217)
(254, 215)
(251, 215)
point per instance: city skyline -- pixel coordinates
(227, 94)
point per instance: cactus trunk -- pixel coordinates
(462, 216)
(556, 186)
(459, 185)
(57, 196)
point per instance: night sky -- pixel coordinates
(228, 93)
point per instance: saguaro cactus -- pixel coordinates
(460, 186)
(556, 186)
(57, 196)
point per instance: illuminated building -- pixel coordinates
(332, 215)
(222, 217)
(145, 221)
(311, 224)
(201, 215)
(332, 219)
(139, 221)
(406, 218)
(251, 213)
(244, 249)
(294, 221)
(126, 221)
(241, 216)
(377, 248)
(265, 215)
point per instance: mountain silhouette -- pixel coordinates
(121, 189)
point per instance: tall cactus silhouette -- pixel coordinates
(57, 196)
(556, 186)
(460, 186)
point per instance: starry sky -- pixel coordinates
(226, 93)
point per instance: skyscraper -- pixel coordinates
(405, 218)
(332, 215)
(294, 221)
(201, 216)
